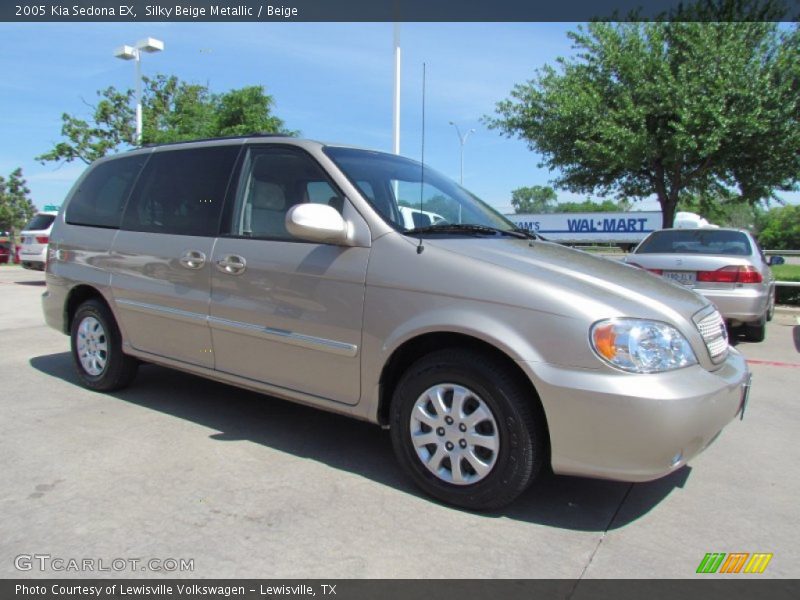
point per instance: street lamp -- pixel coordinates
(463, 140)
(151, 46)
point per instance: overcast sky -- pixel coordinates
(331, 81)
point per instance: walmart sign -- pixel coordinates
(627, 228)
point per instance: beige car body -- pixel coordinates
(334, 325)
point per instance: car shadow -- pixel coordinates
(796, 337)
(362, 448)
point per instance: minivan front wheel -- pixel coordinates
(467, 431)
(97, 349)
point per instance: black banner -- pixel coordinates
(394, 10)
(383, 589)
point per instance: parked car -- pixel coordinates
(34, 239)
(5, 253)
(286, 266)
(724, 265)
(413, 217)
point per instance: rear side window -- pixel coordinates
(182, 192)
(40, 222)
(697, 241)
(101, 195)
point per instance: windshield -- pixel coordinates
(394, 187)
(696, 241)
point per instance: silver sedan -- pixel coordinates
(724, 265)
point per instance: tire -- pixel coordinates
(97, 349)
(497, 411)
(756, 331)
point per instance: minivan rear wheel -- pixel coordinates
(97, 349)
(467, 430)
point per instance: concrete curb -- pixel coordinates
(783, 308)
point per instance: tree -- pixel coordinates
(589, 206)
(535, 199)
(172, 111)
(721, 209)
(779, 228)
(112, 126)
(667, 109)
(16, 208)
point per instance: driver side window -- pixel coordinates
(272, 181)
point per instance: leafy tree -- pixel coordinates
(535, 199)
(246, 110)
(722, 209)
(172, 111)
(113, 125)
(667, 108)
(589, 206)
(16, 208)
(779, 228)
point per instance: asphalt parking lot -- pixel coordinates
(177, 467)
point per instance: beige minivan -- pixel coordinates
(286, 266)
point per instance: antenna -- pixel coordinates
(421, 248)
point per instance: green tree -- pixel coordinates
(667, 109)
(779, 228)
(534, 199)
(246, 110)
(16, 208)
(112, 125)
(172, 110)
(589, 206)
(722, 208)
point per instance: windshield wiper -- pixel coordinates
(471, 228)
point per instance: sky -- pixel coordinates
(331, 81)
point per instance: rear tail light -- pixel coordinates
(654, 271)
(731, 274)
(42, 239)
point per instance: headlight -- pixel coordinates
(641, 346)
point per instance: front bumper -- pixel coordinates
(632, 427)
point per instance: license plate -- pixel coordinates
(682, 277)
(27, 240)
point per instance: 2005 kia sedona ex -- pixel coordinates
(359, 282)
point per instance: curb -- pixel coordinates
(783, 308)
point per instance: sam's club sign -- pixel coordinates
(628, 227)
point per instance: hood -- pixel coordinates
(573, 279)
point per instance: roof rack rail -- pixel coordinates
(212, 139)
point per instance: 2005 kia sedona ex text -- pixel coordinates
(359, 282)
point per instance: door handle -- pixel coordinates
(232, 264)
(193, 259)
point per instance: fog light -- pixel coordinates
(676, 459)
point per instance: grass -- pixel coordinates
(786, 272)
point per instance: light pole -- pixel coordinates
(149, 45)
(396, 97)
(463, 140)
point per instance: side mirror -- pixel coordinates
(318, 223)
(776, 260)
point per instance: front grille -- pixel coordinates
(715, 335)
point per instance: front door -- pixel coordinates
(284, 311)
